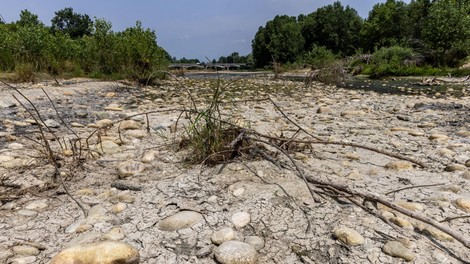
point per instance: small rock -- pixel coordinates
(119, 207)
(139, 134)
(256, 241)
(27, 213)
(129, 125)
(410, 206)
(238, 192)
(106, 252)
(179, 221)
(240, 219)
(97, 213)
(466, 175)
(236, 252)
(15, 146)
(401, 222)
(437, 234)
(397, 249)
(26, 250)
(438, 137)
(37, 205)
(149, 157)
(348, 236)
(446, 152)
(463, 204)
(223, 235)
(104, 123)
(398, 165)
(324, 110)
(23, 260)
(85, 192)
(467, 163)
(51, 123)
(115, 234)
(108, 147)
(455, 167)
(77, 125)
(348, 114)
(113, 107)
(7, 104)
(130, 168)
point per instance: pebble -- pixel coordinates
(138, 134)
(15, 146)
(437, 234)
(446, 152)
(324, 110)
(130, 168)
(37, 205)
(467, 163)
(455, 167)
(438, 137)
(115, 234)
(27, 213)
(348, 114)
(256, 241)
(223, 235)
(179, 221)
(104, 123)
(397, 249)
(466, 175)
(51, 123)
(97, 213)
(410, 206)
(236, 252)
(119, 207)
(149, 157)
(108, 147)
(398, 165)
(401, 222)
(129, 125)
(463, 204)
(238, 192)
(26, 250)
(348, 236)
(113, 107)
(106, 252)
(240, 219)
(23, 260)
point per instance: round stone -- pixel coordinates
(26, 250)
(348, 236)
(240, 219)
(236, 252)
(37, 205)
(223, 235)
(130, 168)
(101, 252)
(179, 221)
(398, 250)
(256, 241)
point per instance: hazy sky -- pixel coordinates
(185, 28)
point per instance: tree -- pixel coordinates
(28, 19)
(74, 24)
(333, 26)
(280, 40)
(386, 25)
(446, 33)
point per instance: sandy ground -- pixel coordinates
(36, 213)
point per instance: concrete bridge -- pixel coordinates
(205, 66)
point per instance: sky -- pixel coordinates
(185, 28)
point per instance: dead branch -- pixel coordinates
(376, 198)
(415, 186)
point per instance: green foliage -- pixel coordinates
(333, 26)
(386, 25)
(28, 19)
(27, 46)
(446, 33)
(74, 24)
(392, 61)
(25, 72)
(280, 40)
(319, 57)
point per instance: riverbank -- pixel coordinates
(135, 185)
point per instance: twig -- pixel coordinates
(299, 170)
(374, 197)
(415, 186)
(448, 219)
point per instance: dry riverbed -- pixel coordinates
(144, 204)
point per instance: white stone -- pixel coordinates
(236, 252)
(223, 235)
(241, 219)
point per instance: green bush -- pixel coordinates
(24, 72)
(319, 57)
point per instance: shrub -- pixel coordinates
(24, 72)
(320, 57)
